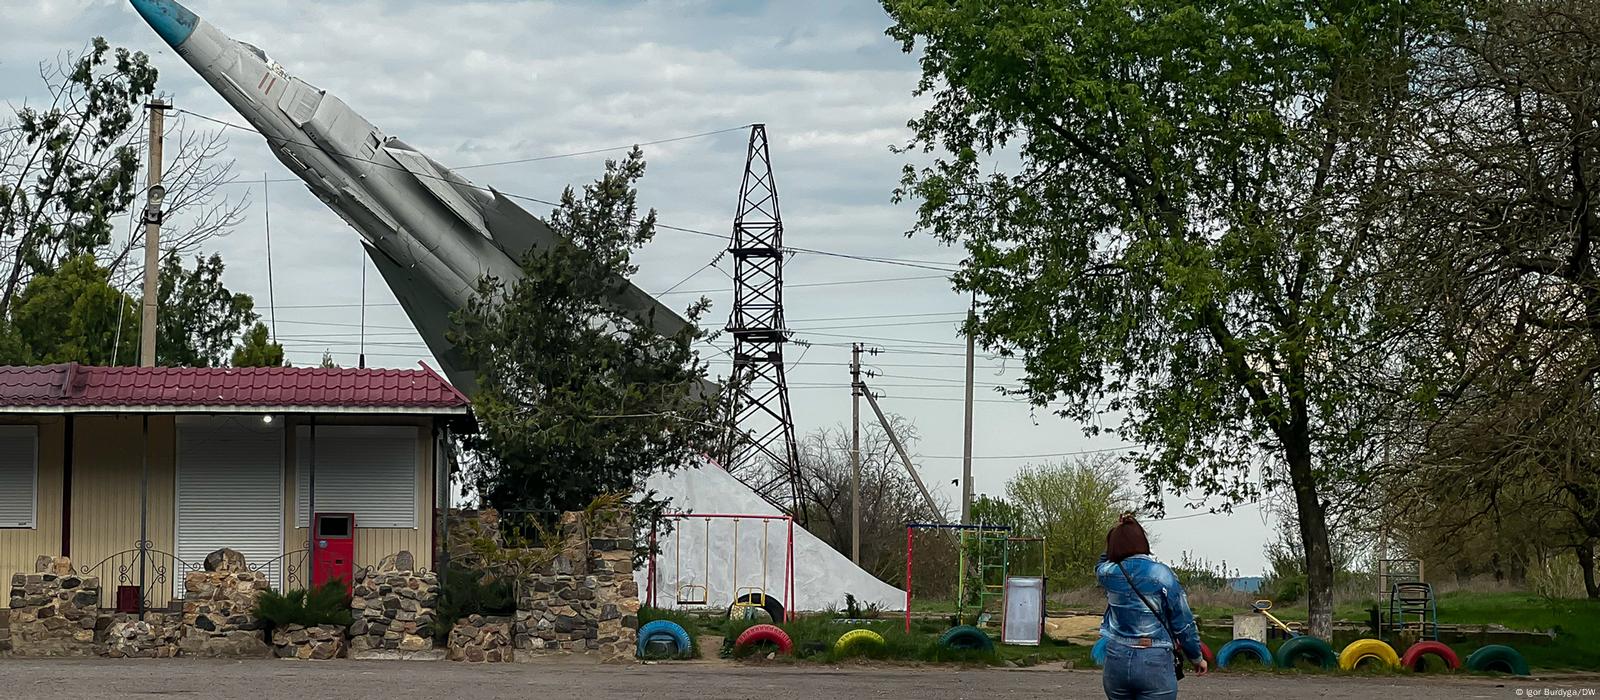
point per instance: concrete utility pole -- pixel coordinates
(900, 449)
(855, 453)
(154, 194)
(966, 443)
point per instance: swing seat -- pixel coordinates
(751, 596)
(692, 594)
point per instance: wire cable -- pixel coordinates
(922, 264)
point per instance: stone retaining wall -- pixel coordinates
(218, 619)
(55, 612)
(299, 642)
(5, 631)
(394, 611)
(479, 639)
(585, 600)
(155, 637)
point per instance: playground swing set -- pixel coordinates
(695, 592)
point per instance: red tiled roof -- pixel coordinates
(73, 386)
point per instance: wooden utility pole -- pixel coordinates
(153, 215)
(966, 442)
(855, 453)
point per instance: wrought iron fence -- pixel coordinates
(138, 579)
(288, 571)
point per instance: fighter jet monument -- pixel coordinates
(430, 232)
(432, 235)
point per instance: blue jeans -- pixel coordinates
(1135, 673)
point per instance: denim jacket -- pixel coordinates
(1127, 619)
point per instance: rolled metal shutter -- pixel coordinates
(369, 470)
(19, 476)
(230, 491)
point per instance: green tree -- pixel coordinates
(576, 399)
(198, 318)
(1072, 504)
(1503, 212)
(256, 349)
(72, 315)
(1185, 240)
(67, 171)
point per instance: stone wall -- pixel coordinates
(584, 600)
(155, 637)
(5, 631)
(218, 619)
(55, 612)
(300, 642)
(479, 639)
(394, 611)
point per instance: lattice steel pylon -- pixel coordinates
(761, 448)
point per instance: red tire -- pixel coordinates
(1205, 653)
(1414, 656)
(764, 633)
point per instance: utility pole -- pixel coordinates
(153, 215)
(966, 443)
(855, 453)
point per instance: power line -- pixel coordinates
(821, 284)
(594, 151)
(534, 159)
(923, 264)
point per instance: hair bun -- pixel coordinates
(1127, 518)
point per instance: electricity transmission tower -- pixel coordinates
(761, 448)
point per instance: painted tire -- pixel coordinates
(772, 605)
(1309, 648)
(1362, 649)
(1244, 647)
(1098, 652)
(764, 633)
(966, 637)
(1415, 656)
(664, 629)
(1498, 658)
(858, 641)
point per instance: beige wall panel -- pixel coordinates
(20, 547)
(106, 503)
(372, 544)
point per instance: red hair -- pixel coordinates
(1126, 539)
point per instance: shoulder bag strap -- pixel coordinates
(1159, 617)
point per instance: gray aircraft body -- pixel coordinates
(431, 233)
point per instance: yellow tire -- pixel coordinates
(1363, 649)
(858, 642)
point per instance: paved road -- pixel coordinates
(576, 680)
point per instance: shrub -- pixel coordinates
(466, 592)
(327, 604)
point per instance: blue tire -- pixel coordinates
(1098, 653)
(1244, 647)
(667, 630)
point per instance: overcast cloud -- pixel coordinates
(473, 83)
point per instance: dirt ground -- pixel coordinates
(570, 679)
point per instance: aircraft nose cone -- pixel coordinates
(172, 21)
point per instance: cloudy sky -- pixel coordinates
(482, 82)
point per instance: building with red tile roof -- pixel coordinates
(138, 473)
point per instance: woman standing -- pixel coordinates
(1147, 619)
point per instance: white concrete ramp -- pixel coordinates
(702, 559)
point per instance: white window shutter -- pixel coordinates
(368, 470)
(19, 476)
